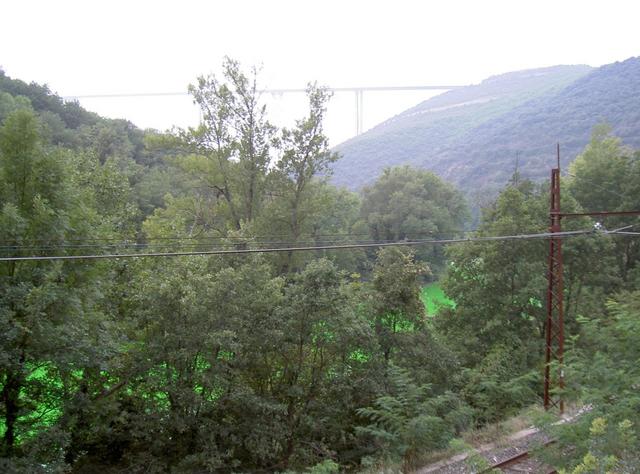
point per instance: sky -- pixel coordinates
(111, 47)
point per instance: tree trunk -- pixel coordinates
(11, 400)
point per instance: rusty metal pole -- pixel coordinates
(554, 328)
(554, 334)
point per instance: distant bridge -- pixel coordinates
(357, 91)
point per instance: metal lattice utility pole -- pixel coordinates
(554, 329)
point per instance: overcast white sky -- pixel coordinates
(90, 47)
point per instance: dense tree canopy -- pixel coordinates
(295, 361)
(407, 203)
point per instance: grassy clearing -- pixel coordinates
(434, 298)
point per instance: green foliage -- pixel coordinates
(9, 104)
(49, 313)
(235, 137)
(605, 176)
(399, 314)
(403, 333)
(603, 370)
(409, 421)
(603, 440)
(325, 467)
(300, 204)
(41, 99)
(434, 298)
(407, 203)
(497, 325)
(497, 287)
(316, 361)
(600, 172)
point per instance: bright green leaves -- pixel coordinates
(231, 348)
(434, 298)
(51, 315)
(396, 280)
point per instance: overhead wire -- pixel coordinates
(179, 244)
(196, 245)
(232, 237)
(206, 242)
(202, 246)
(619, 229)
(406, 243)
(624, 233)
(242, 240)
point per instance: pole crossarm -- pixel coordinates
(595, 213)
(554, 324)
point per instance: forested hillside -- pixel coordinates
(66, 123)
(176, 303)
(139, 155)
(475, 136)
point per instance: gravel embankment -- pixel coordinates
(464, 463)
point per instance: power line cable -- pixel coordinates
(201, 245)
(307, 248)
(624, 233)
(204, 242)
(231, 237)
(614, 231)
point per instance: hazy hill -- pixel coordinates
(68, 124)
(473, 136)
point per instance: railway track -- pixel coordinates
(513, 456)
(521, 463)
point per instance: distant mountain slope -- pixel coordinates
(43, 100)
(68, 124)
(472, 136)
(486, 155)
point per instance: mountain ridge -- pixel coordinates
(472, 136)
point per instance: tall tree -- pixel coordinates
(397, 305)
(305, 155)
(48, 313)
(297, 182)
(605, 177)
(236, 137)
(408, 203)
